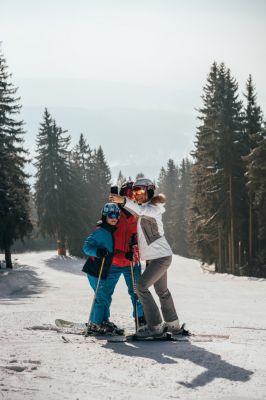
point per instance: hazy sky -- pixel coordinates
(136, 55)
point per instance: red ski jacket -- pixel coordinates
(126, 227)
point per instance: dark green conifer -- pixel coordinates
(218, 204)
(140, 175)
(170, 186)
(256, 172)
(121, 179)
(100, 183)
(174, 182)
(82, 217)
(14, 190)
(53, 181)
(253, 129)
(183, 205)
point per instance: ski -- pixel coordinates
(80, 328)
(170, 338)
(116, 333)
(62, 323)
(134, 338)
(121, 335)
(166, 336)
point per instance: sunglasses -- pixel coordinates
(113, 215)
(139, 190)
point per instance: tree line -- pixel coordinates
(215, 208)
(227, 222)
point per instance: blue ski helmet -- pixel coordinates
(111, 210)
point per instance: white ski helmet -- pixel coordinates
(145, 183)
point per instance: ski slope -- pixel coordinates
(38, 364)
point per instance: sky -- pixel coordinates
(128, 74)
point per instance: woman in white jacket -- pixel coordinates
(155, 249)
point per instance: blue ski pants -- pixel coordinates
(101, 309)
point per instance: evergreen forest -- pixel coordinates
(216, 196)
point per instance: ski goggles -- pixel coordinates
(113, 215)
(138, 190)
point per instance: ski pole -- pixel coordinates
(97, 287)
(134, 290)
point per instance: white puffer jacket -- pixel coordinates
(151, 239)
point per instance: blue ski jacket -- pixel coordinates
(100, 238)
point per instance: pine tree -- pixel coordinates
(81, 172)
(170, 215)
(253, 116)
(205, 173)
(218, 205)
(174, 182)
(253, 127)
(14, 190)
(82, 156)
(168, 184)
(256, 171)
(183, 203)
(233, 147)
(100, 182)
(53, 181)
(90, 188)
(140, 175)
(161, 181)
(121, 179)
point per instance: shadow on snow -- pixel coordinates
(67, 264)
(20, 283)
(171, 353)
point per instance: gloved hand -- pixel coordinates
(129, 255)
(133, 240)
(101, 252)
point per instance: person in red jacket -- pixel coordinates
(126, 260)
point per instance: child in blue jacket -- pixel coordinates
(98, 246)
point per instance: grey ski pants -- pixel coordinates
(156, 274)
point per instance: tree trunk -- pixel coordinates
(219, 248)
(226, 256)
(239, 256)
(8, 257)
(232, 234)
(229, 254)
(61, 247)
(250, 229)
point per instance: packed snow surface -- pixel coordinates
(38, 364)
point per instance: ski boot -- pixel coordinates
(153, 331)
(112, 328)
(141, 322)
(95, 329)
(175, 328)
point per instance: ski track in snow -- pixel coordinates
(41, 365)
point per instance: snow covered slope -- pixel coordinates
(38, 364)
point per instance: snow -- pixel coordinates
(39, 365)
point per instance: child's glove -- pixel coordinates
(129, 255)
(102, 252)
(133, 240)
